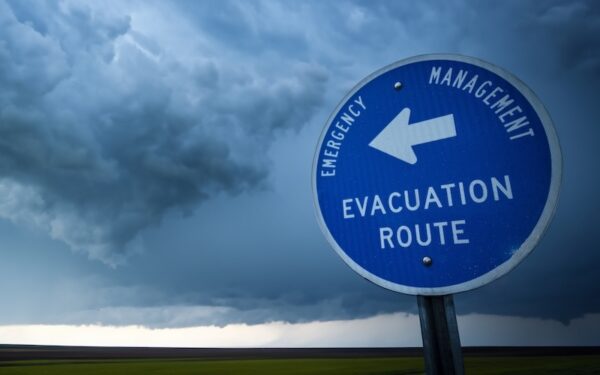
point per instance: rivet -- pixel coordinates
(397, 85)
(427, 261)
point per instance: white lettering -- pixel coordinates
(394, 209)
(360, 102)
(517, 136)
(347, 118)
(456, 231)
(405, 229)
(502, 103)
(510, 112)
(461, 190)
(435, 74)
(362, 209)
(516, 124)
(440, 226)
(432, 198)
(447, 187)
(492, 94)
(385, 236)
(377, 205)
(506, 189)
(447, 77)
(346, 208)
(483, 188)
(418, 235)
(471, 84)
(481, 91)
(459, 79)
(407, 202)
(342, 127)
(338, 136)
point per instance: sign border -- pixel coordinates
(539, 229)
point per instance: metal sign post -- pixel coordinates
(436, 175)
(441, 341)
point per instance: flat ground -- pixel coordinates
(68, 360)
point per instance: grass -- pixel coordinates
(373, 366)
(379, 366)
(569, 365)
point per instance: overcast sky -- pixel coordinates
(155, 161)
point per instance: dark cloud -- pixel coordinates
(576, 30)
(114, 120)
(101, 134)
(555, 48)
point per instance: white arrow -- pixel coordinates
(398, 137)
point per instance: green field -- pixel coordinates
(589, 364)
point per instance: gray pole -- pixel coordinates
(441, 342)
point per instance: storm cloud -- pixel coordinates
(115, 119)
(103, 131)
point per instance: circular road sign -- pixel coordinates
(436, 174)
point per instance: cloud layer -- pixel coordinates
(103, 130)
(117, 118)
(391, 330)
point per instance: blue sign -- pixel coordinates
(436, 174)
